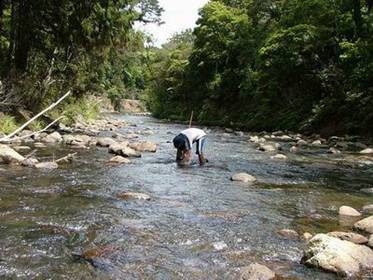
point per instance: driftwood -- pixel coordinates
(7, 138)
(31, 134)
(66, 158)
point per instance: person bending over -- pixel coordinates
(184, 142)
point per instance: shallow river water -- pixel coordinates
(198, 225)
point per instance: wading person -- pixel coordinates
(184, 142)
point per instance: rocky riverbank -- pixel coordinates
(23, 148)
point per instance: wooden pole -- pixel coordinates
(191, 119)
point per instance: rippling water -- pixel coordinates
(198, 225)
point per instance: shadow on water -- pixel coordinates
(197, 225)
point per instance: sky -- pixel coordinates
(178, 15)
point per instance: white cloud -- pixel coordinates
(178, 15)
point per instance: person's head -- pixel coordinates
(179, 144)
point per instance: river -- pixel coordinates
(198, 225)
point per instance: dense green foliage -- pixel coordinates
(48, 47)
(271, 64)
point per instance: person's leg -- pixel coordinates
(200, 148)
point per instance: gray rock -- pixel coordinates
(257, 271)
(370, 241)
(348, 211)
(22, 148)
(105, 142)
(316, 143)
(365, 224)
(123, 150)
(368, 209)
(338, 256)
(367, 190)
(8, 155)
(54, 137)
(349, 236)
(30, 162)
(302, 142)
(333, 150)
(243, 177)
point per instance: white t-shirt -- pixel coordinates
(193, 134)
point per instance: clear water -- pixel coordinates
(198, 225)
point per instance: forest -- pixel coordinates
(249, 64)
(271, 65)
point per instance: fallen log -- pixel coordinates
(67, 158)
(35, 117)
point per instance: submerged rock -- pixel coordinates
(144, 146)
(105, 142)
(334, 151)
(289, 233)
(134, 195)
(365, 224)
(348, 211)
(349, 236)
(8, 155)
(46, 165)
(338, 256)
(119, 160)
(257, 271)
(280, 157)
(243, 177)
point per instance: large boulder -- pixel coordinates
(122, 149)
(144, 146)
(8, 155)
(54, 137)
(257, 271)
(349, 236)
(335, 255)
(365, 224)
(105, 141)
(348, 211)
(243, 177)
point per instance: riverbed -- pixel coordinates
(197, 225)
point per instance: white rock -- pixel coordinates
(8, 155)
(365, 224)
(294, 149)
(367, 151)
(257, 271)
(338, 256)
(348, 211)
(123, 150)
(219, 246)
(334, 151)
(268, 147)
(370, 242)
(316, 143)
(349, 236)
(243, 177)
(144, 146)
(46, 165)
(279, 156)
(307, 236)
(289, 233)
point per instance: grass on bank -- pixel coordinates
(7, 124)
